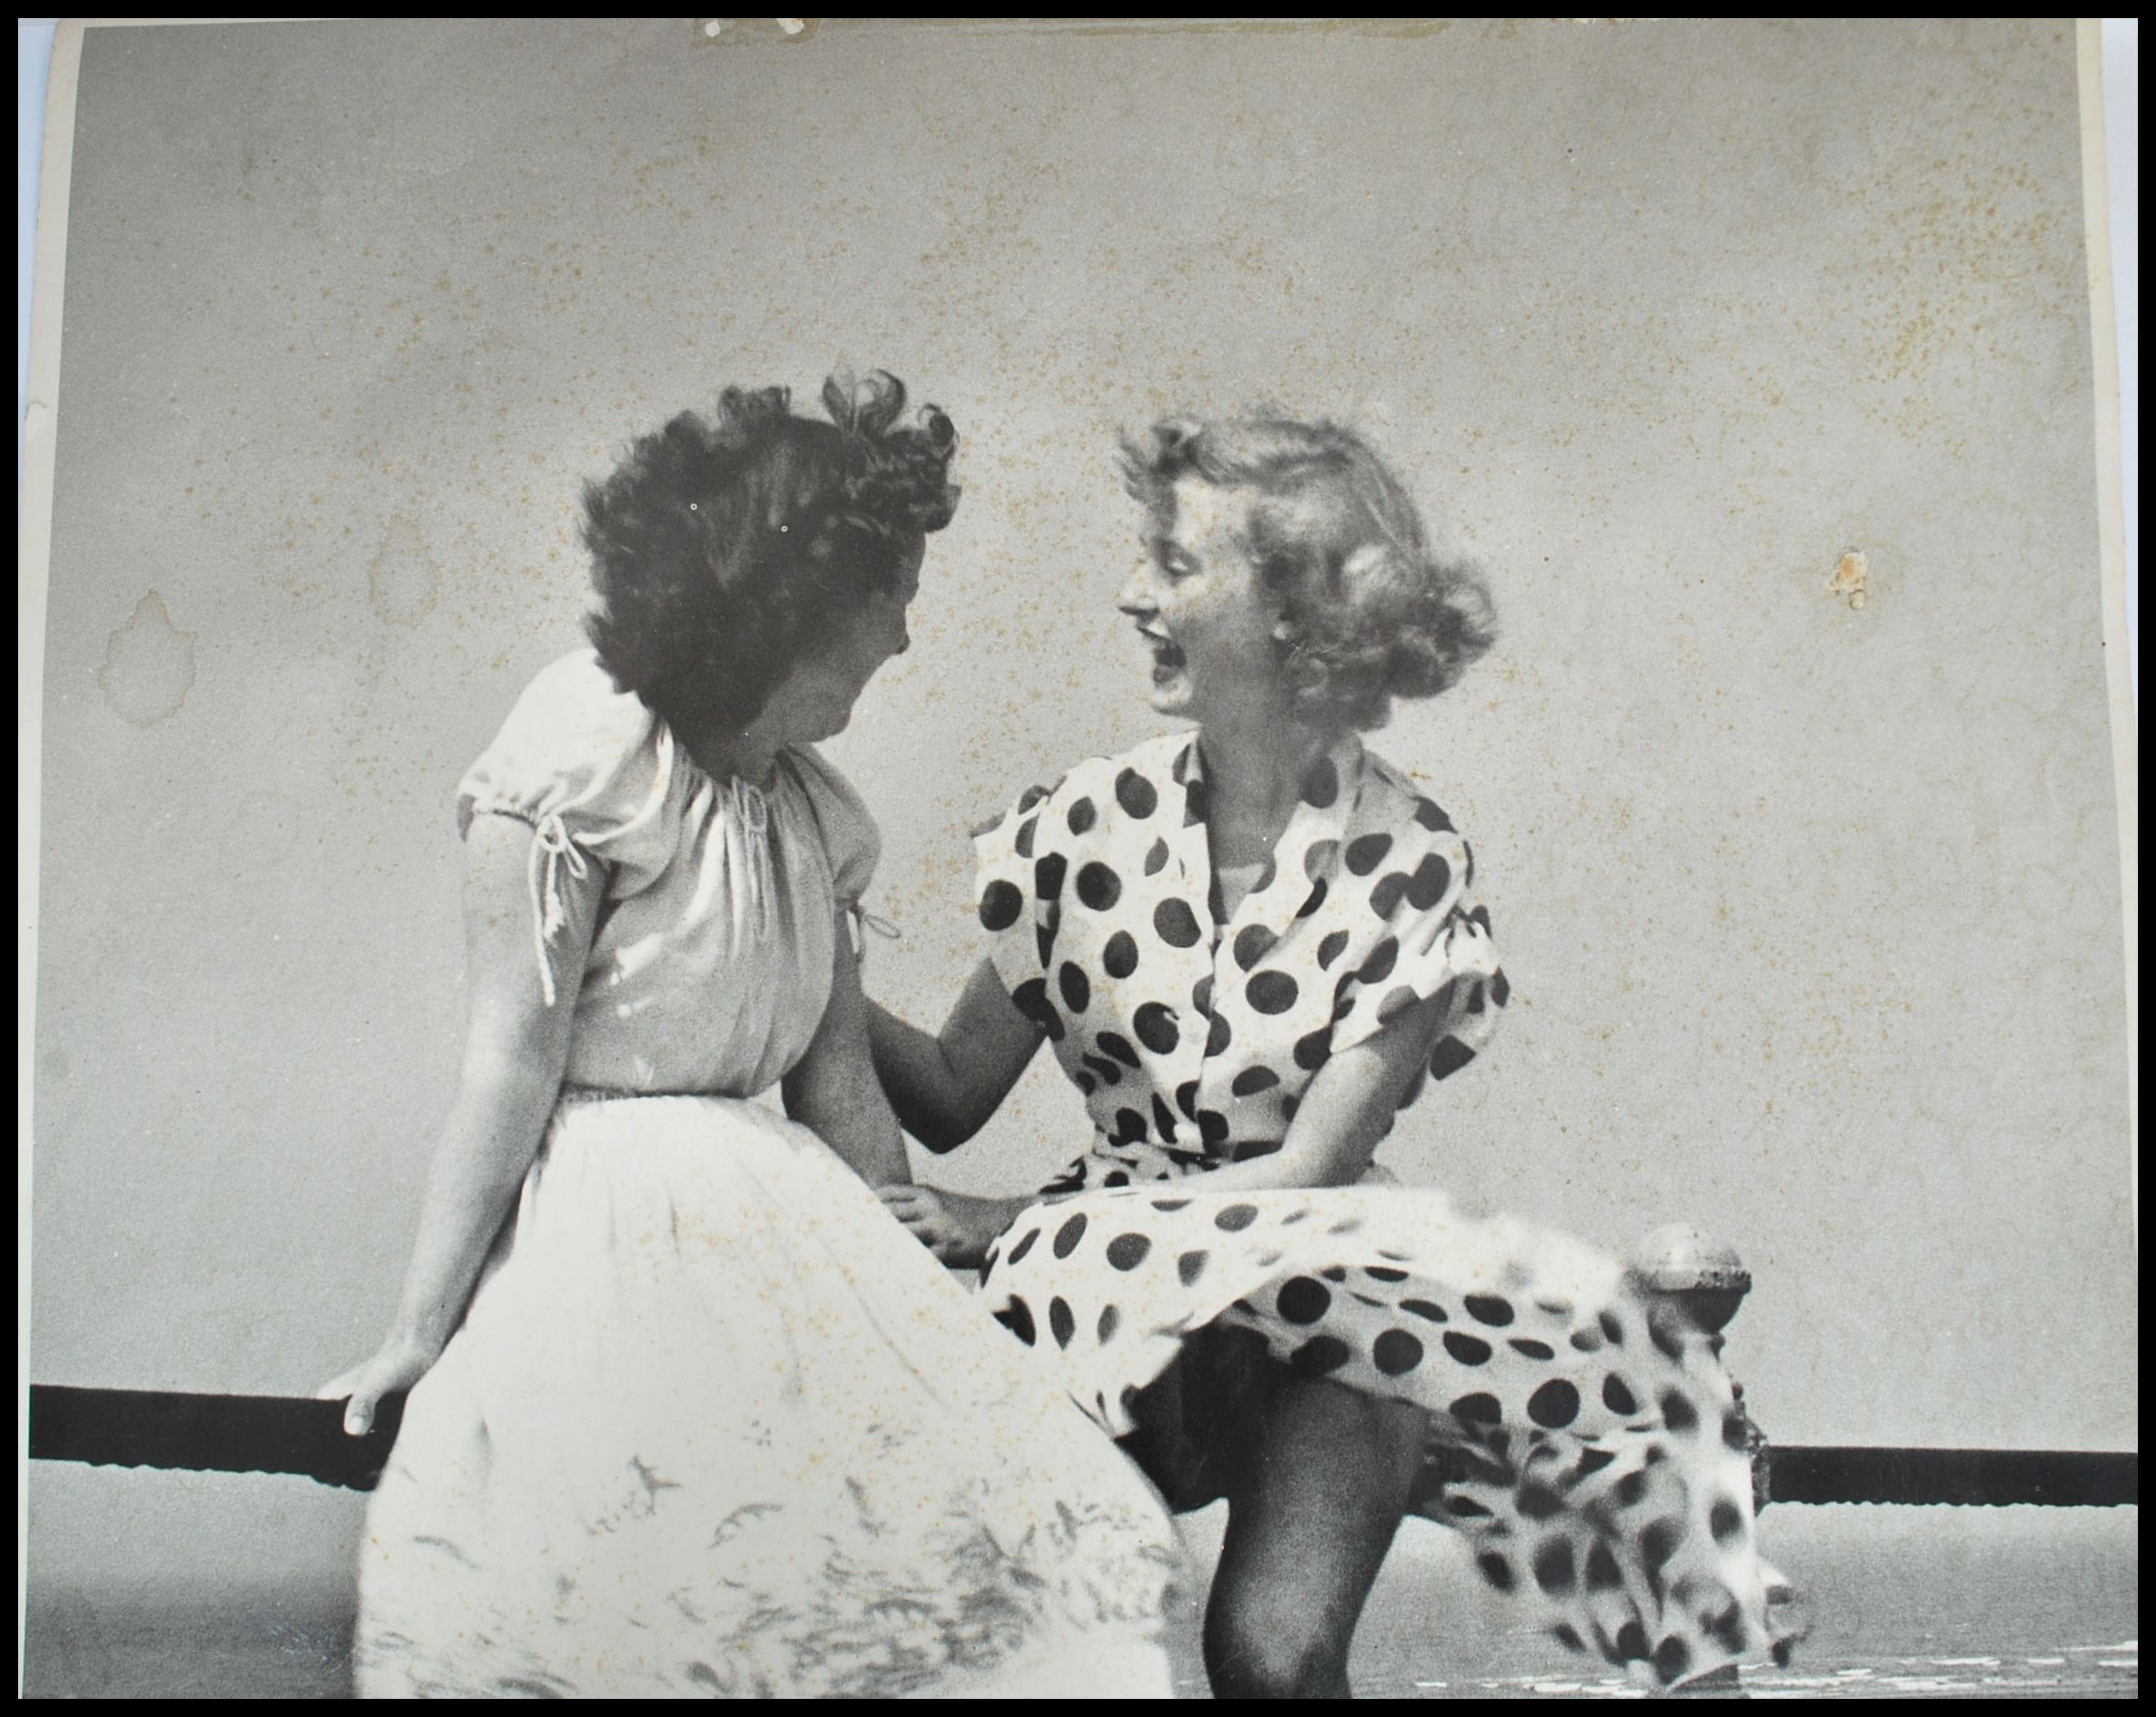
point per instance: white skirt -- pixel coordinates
(715, 1425)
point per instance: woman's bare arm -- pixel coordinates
(516, 1048)
(944, 1088)
(1347, 1110)
(834, 1090)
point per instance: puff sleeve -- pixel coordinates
(852, 841)
(1008, 854)
(592, 772)
(1437, 942)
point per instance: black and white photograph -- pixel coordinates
(1106, 859)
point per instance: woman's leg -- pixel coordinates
(1310, 1518)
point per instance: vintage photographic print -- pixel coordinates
(1058, 858)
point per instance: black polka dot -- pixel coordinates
(1044, 943)
(1449, 1057)
(1033, 796)
(1129, 1128)
(1588, 1340)
(1023, 842)
(1477, 1409)
(1304, 1299)
(1235, 1218)
(1194, 804)
(1018, 1319)
(1500, 989)
(1423, 1309)
(1047, 874)
(1135, 794)
(1617, 1398)
(1490, 1308)
(1001, 905)
(1430, 817)
(1528, 1348)
(1331, 948)
(1271, 993)
(1781, 1652)
(1201, 995)
(1086, 1084)
(1344, 999)
(1289, 1103)
(1381, 1273)
(1554, 1405)
(1252, 942)
(1031, 999)
(1108, 1072)
(1319, 1356)
(1382, 958)
(1632, 1489)
(1119, 1179)
(1081, 815)
(1076, 989)
(1539, 1502)
(1164, 1119)
(1672, 1658)
(1219, 1034)
(1678, 1412)
(1116, 1044)
(1098, 887)
(1321, 784)
(1251, 1081)
(1190, 1267)
(1155, 1027)
(1314, 1050)
(1665, 1339)
(1496, 1570)
(1398, 999)
(1726, 1520)
(1187, 1098)
(1127, 1251)
(1554, 1571)
(1613, 1329)
(1212, 1127)
(1110, 1318)
(1384, 899)
(1736, 1432)
(1631, 1643)
(1024, 1245)
(1069, 1235)
(1395, 1352)
(1469, 1350)
(1415, 1088)
(1427, 886)
(1602, 1571)
(1175, 925)
(1566, 1636)
(1659, 1543)
(1156, 856)
(1060, 1323)
(1319, 858)
(1316, 898)
(1118, 959)
(1367, 852)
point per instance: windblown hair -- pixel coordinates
(1370, 612)
(722, 547)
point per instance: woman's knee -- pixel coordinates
(1254, 1651)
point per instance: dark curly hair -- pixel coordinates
(1371, 613)
(722, 547)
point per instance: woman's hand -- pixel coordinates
(956, 1228)
(396, 1367)
(945, 1088)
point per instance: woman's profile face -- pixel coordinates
(817, 700)
(1199, 604)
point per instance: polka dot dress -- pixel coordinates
(1590, 1444)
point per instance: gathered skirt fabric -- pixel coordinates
(715, 1425)
(1586, 1439)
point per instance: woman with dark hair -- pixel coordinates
(689, 1413)
(1252, 946)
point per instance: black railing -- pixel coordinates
(278, 1434)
